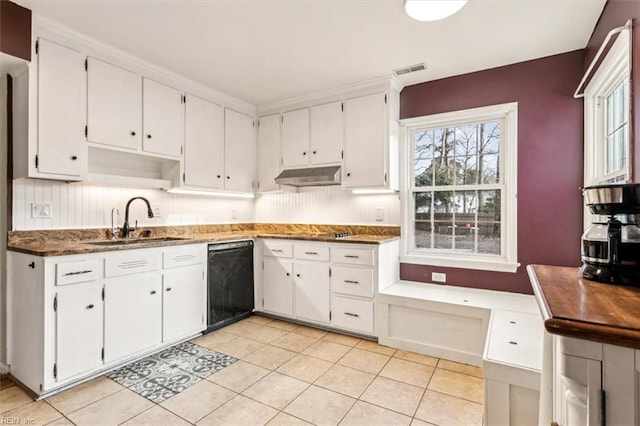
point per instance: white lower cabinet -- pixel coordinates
(180, 288)
(328, 284)
(312, 292)
(277, 294)
(132, 309)
(78, 325)
(595, 383)
(71, 317)
(352, 314)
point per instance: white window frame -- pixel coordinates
(614, 69)
(505, 262)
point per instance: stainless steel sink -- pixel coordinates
(129, 241)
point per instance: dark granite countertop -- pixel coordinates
(79, 241)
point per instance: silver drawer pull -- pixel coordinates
(313, 253)
(88, 271)
(351, 282)
(184, 257)
(276, 250)
(352, 315)
(351, 256)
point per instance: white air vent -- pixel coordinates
(410, 69)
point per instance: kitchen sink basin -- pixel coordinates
(134, 241)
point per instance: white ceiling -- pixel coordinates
(264, 51)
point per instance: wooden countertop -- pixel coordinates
(575, 307)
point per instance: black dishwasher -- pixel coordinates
(230, 283)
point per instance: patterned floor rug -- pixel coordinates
(160, 376)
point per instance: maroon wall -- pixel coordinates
(550, 158)
(15, 30)
(615, 14)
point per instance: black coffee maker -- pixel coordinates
(611, 249)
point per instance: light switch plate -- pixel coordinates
(234, 214)
(157, 210)
(41, 210)
(439, 277)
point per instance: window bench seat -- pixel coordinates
(500, 331)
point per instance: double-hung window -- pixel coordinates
(607, 117)
(460, 189)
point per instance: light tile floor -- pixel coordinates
(285, 374)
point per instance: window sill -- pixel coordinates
(464, 263)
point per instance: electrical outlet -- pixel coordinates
(439, 277)
(41, 210)
(234, 214)
(379, 214)
(157, 210)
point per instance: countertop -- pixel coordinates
(69, 242)
(575, 307)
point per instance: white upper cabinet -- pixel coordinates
(204, 144)
(326, 133)
(366, 142)
(114, 105)
(294, 145)
(268, 152)
(162, 119)
(61, 147)
(239, 151)
(312, 136)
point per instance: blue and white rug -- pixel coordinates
(167, 373)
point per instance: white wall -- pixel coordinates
(78, 205)
(327, 205)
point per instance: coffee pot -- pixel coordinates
(611, 248)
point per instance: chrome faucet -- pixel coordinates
(126, 229)
(114, 227)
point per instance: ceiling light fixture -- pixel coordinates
(432, 10)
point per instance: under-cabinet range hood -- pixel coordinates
(315, 176)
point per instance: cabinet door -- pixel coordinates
(312, 291)
(294, 145)
(78, 329)
(60, 110)
(364, 141)
(578, 390)
(114, 105)
(326, 133)
(132, 315)
(268, 152)
(277, 286)
(239, 151)
(204, 143)
(162, 119)
(183, 290)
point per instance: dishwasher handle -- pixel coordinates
(231, 245)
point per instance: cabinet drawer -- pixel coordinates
(356, 315)
(352, 281)
(182, 256)
(278, 249)
(131, 262)
(78, 271)
(309, 252)
(352, 256)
